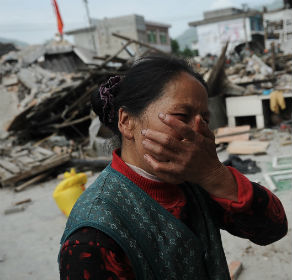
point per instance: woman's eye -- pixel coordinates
(206, 120)
(181, 116)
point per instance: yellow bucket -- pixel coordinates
(69, 190)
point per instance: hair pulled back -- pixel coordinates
(143, 84)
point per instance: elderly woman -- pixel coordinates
(155, 212)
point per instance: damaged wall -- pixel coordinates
(278, 26)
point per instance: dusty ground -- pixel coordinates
(29, 240)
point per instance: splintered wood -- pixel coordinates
(229, 134)
(247, 147)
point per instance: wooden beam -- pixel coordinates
(257, 82)
(22, 201)
(116, 54)
(30, 182)
(217, 74)
(239, 133)
(66, 124)
(139, 43)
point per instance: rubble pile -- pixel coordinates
(50, 101)
(249, 73)
(256, 74)
(267, 75)
(252, 69)
(51, 128)
(54, 125)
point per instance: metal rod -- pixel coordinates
(90, 24)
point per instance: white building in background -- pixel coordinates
(236, 25)
(278, 29)
(99, 37)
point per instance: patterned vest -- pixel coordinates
(158, 245)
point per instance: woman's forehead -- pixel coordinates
(187, 83)
(186, 91)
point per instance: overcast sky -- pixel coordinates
(33, 21)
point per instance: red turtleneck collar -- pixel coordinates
(163, 193)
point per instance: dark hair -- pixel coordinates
(143, 83)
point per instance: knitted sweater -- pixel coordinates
(258, 215)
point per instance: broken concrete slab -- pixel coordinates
(10, 80)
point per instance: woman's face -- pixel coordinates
(184, 98)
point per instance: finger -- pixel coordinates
(163, 170)
(160, 152)
(201, 127)
(164, 139)
(184, 130)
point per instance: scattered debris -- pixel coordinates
(13, 210)
(264, 134)
(287, 140)
(28, 200)
(46, 165)
(53, 84)
(246, 166)
(233, 75)
(23, 162)
(30, 182)
(282, 162)
(274, 179)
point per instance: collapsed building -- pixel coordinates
(53, 125)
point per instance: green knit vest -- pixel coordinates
(158, 245)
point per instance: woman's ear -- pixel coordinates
(126, 124)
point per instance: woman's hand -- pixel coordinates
(189, 156)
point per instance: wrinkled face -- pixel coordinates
(184, 97)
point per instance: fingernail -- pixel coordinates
(143, 132)
(202, 120)
(144, 142)
(162, 116)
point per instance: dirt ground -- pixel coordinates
(29, 240)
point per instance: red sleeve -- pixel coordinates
(245, 194)
(257, 215)
(90, 254)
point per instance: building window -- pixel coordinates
(289, 36)
(273, 28)
(256, 24)
(163, 38)
(151, 34)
